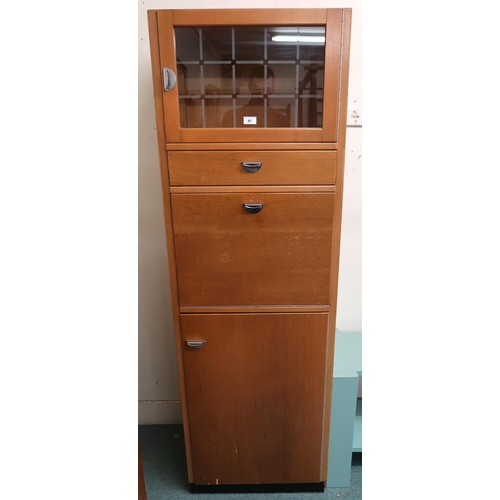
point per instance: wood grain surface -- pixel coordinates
(256, 396)
(261, 289)
(225, 167)
(279, 256)
(230, 146)
(248, 17)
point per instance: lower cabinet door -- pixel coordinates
(255, 396)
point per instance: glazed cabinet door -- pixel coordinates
(268, 76)
(255, 396)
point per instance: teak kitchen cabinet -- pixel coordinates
(251, 113)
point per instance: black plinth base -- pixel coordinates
(257, 488)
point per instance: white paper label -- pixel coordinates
(249, 120)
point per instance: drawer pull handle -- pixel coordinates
(195, 344)
(251, 166)
(253, 208)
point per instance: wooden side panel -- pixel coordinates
(279, 256)
(256, 396)
(161, 134)
(337, 225)
(225, 167)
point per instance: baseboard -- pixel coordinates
(257, 488)
(160, 412)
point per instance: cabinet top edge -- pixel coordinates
(248, 17)
(278, 9)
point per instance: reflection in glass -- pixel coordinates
(241, 77)
(255, 110)
(249, 43)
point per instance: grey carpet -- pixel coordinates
(165, 473)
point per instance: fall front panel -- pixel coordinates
(253, 248)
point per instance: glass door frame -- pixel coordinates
(332, 19)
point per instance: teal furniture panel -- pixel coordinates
(346, 415)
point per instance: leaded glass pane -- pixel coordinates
(247, 76)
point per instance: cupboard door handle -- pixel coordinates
(253, 208)
(195, 344)
(251, 166)
(168, 79)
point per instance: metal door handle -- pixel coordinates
(195, 344)
(253, 208)
(251, 166)
(168, 79)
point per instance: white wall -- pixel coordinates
(159, 398)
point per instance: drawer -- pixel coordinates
(188, 168)
(280, 255)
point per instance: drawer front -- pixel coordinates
(211, 168)
(228, 256)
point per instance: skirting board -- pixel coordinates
(257, 488)
(160, 412)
